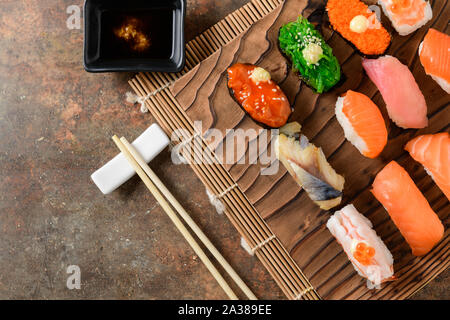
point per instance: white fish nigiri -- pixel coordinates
(366, 251)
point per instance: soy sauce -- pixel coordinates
(155, 25)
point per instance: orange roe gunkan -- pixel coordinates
(358, 24)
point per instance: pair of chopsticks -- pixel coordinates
(157, 188)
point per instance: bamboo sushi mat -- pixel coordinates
(154, 90)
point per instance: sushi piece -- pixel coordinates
(309, 167)
(405, 102)
(433, 152)
(310, 55)
(434, 54)
(408, 208)
(367, 252)
(362, 122)
(261, 98)
(359, 25)
(407, 15)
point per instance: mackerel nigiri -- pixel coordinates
(405, 102)
(408, 208)
(368, 254)
(362, 122)
(433, 152)
(309, 167)
(434, 54)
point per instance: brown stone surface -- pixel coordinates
(55, 126)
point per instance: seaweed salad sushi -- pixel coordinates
(310, 55)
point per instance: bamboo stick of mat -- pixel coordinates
(294, 292)
(237, 221)
(276, 255)
(173, 216)
(187, 218)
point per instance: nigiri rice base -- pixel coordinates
(350, 227)
(405, 29)
(349, 131)
(440, 81)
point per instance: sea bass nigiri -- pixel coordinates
(407, 15)
(365, 249)
(405, 102)
(408, 208)
(434, 54)
(433, 152)
(309, 167)
(362, 122)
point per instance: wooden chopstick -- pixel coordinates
(172, 215)
(187, 218)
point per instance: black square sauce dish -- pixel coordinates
(134, 35)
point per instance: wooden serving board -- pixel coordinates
(309, 264)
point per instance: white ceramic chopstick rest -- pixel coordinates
(117, 171)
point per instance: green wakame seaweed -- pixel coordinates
(293, 38)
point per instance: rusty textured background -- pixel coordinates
(55, 126)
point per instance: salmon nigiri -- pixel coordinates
(365, 249)
(407, 15)
(405, 102)
(434, 54)
(362, 122)
(433, 152)
(408, 208)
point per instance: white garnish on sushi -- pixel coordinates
(359, 24)
(260, 75)
(313, 53)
